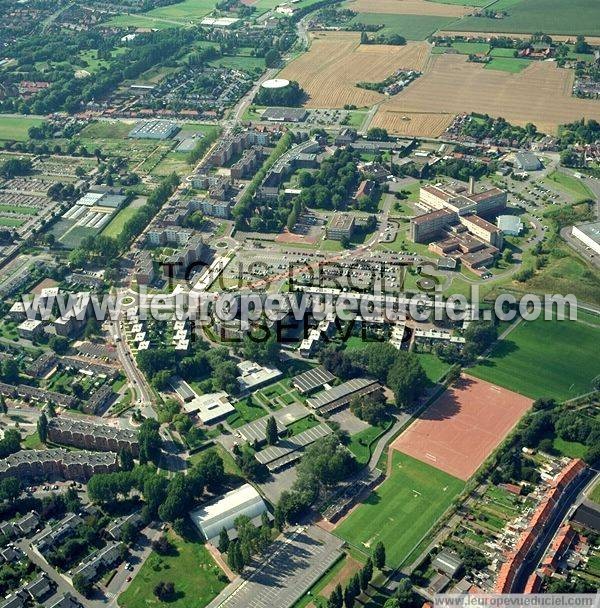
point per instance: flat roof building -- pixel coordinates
(341, 395)
(253, 375)
(589, 235)
(510, 225)
(154, 129)
(210, 408)
(221, 513)
(340, 227)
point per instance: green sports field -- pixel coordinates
(15, 128)
(412, 27)
(570, 17)
(402, 510)
(544, 359)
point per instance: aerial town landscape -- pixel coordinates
(299, 301)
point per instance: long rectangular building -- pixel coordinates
(340, 396)
(90, 436)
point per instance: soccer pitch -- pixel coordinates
(402, 510)
(544, 359)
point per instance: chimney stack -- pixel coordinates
(471, 185)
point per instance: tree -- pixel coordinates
(126, 460)
(223, 541)
(128, 533)
(10, 489)
(366, 574)
(272, 435)
(234, 557)
(379, 556)
(149, 441)
(82, 584)
(3, 407)
(406, 378)
(272, 58)
(336, 599)
(154, 492)
(164, 591)
(10, 371)
(42, 427)
(58, 344)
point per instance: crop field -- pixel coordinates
(335, 62)
(410, 124)
(409, 7)
(401, 510)
(544, 359)
(540, 94)
(548, 16)
(15, 128)
(412, 27)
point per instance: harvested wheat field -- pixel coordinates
(412, 124)
(336, 61)
(540, 94)
(409, 7)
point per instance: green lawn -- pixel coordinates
(18, 209)
(501, 52)
(11, 222)
(548, 16)
(463, 2)
(571, 449)
(595, 493)
(246, 411)
(571, 185)
(360, 443)
(15, 128)
(197, 579)
(412, 27)
(115, 226)
(189, 10)
(402, 510)
(434, 367)
(471, 48)
(505, 64)
(544, 359)
(240, 62)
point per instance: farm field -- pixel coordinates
(189, 10)
(15, 128)
(529, 361)
(196, 577)
(412, 27)
(403, 123)
(410, 7)
(330, 82)
(540, 94)
(548, 16)
(402, 510)
(508, 64)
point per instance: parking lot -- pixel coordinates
(295, 562)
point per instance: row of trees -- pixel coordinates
(169, 499)
(400, 370)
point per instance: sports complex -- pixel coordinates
(430, 462)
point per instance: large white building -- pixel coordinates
(589, 235)
(211, 518)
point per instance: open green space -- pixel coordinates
(595, 493)
(116, 225)
(361, 443)
(506, 64)
(471, 48)
(529, 16)
(240, 62)
(462, 2)
(11, 222)
(571, 449)
(544, 359)
(246, 411)
(570, 185)
(18, 209)
(434, 367)
(189, 10)
(402, 510)
(501, 52)
(412, 27)
(15, 128)
(189, 566)
(73, 238)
